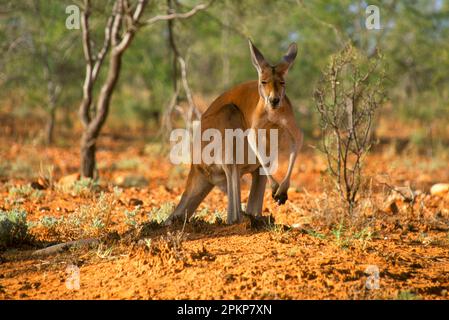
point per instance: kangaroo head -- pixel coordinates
(271, 78)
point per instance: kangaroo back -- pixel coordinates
(254, 105)
(244, 96)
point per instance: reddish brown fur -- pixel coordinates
(258, 104)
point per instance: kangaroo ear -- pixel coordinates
(257, 57)
(288, 59)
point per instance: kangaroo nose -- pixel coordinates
(274, 101)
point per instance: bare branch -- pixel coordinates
(116, 24)
(129, 35)
(192, 107)
(106, 45)
(87, 86)
(346, 100)
(86, 32)
(175, 15)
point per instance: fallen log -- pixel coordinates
(60, 247)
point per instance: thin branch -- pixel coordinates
(173, 47)
(106, 45)
(87, 86)
(117, 23)
(227, 26)
(192, 107)
(175, 15)
(130, 33)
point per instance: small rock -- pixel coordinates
(37, 186)
(439, 189)
(135, 202)
(69, 180)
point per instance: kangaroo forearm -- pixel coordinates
(295, 146)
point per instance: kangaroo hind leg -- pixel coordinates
(256, 195)
(233, 190)
(197, 188)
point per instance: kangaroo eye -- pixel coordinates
(282, 82)
(263, 82)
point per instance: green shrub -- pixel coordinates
(160, 214)
(13, 228)
(21, 169)
(25, 191)
(84, 187)
(128, 164)
(131, 217)
(407, 295)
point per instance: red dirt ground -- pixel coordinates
(311, 260)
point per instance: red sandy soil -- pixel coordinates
(408, 244)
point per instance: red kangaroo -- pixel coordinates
(260, 104)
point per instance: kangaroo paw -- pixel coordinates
(280, 197)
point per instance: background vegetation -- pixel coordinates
(394, 226)
(42, 66)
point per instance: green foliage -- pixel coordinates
(40, 50)
(25, 191)
(19, 169)
(407, 295)
(347, 100)
(160, 214)
(128, 164)
(84, 187)
(345, 237)
(316, 234)
(38, 47)
(13, 228)
(218, 217)
(340, 239)
(49, 222)
(87, 221)
(130, 217)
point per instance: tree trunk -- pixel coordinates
(49, 132)
(116, 42)
(88, 148)
(225, 51)
(92, 131)
(50, 127)
(52, 94)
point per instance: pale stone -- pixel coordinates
(439, 189)
(69, 180)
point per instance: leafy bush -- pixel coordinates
(25, 191)
(86, 221)
(128, 164)
(49, 222)
(347, 98)
(84, 187)
(131, 217)
(13, 228)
